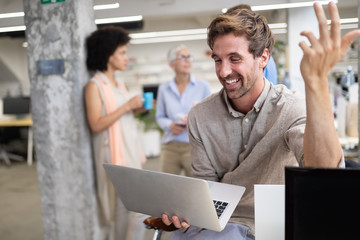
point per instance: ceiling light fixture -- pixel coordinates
(12, 29)
(283, 6)
(186, 35)
(168, 33)
(96, 7)
(97, 21)
(349, 20)
(277, 25)
(106, 6)
(119, 19)
(12, 15)
(288, 5)
(348, 26)
(169, 39)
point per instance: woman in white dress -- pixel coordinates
(110, 114)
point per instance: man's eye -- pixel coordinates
(235, 59)
(217, 60)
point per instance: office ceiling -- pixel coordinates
(164, 8)
(158, 8)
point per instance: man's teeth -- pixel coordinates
(231, 81)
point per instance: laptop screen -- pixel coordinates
(322, 203)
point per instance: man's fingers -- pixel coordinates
(335, 23)
(304, 47)
(347, 40)
(185, 225)
(321, 17)
(165, 219)
(176, 222)
(314, 42)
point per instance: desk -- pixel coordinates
(26, 122)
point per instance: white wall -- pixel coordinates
(14, 57)
(150, 65)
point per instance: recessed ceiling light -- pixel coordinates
(288, 5)
(118, 19)
(11, 15)
(284, 5)
(106, 6)
(12, 29)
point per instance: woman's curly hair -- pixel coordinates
(101, 44)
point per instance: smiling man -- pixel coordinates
(248, 132)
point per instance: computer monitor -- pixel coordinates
(19, 106)
(322, 203)
(151, 88)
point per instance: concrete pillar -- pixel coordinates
(299, 19)
(57, 31)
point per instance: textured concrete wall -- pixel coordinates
(62, 144)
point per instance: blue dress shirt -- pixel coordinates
(169, 104)
(270, 72)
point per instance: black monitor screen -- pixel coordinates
(322, 204)
(151, 88)
(16, 105)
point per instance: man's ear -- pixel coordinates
(264, 58)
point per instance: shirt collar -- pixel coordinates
(173, 87)
(258, 104)
(192, 80)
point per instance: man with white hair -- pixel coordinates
(174, 101)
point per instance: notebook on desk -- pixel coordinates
(191, 199)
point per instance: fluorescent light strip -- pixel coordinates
(12, 15)
(186, 35)
(169, 39)
(283, 6)
(13, 29)
(279, 31)
(277, 25)
(96, 7)
(119, 19)
(349, 26)
(168, 33)
(97, 21)
(288, 5)
(346, 20)
(106, 6)
(187, 32)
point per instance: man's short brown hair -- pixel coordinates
(243, 22)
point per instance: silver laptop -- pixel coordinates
(191, 199)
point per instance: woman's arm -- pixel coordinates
(93, 101)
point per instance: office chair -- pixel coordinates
(157, 224)
(5, 155)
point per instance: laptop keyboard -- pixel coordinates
(220, 207)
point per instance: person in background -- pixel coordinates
(249, 131)
(174, 101)
(270, 71)
(110, 114)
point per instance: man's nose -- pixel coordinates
(224, 70)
